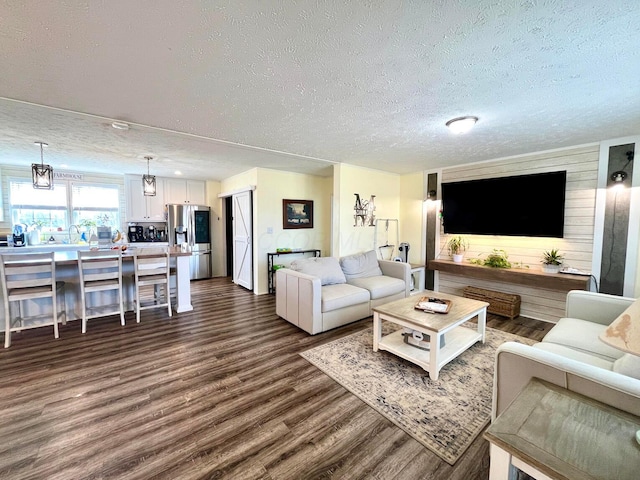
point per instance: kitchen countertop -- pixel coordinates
(71, 256)
(62, 247)
(69, 253)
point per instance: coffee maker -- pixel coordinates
(135, 233)
(19, 235)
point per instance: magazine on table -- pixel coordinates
(434, 305)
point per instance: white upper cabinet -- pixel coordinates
(141, 208)
(185, 191)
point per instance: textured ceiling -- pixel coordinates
(213, 88)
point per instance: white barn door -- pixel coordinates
(242, 241)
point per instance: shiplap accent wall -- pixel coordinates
(581, 165)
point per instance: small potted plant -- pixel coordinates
(552, 261)
(456, 246)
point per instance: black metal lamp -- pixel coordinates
(42, 175)
(148, 182)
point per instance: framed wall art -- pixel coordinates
(297, 214)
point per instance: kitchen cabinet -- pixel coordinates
(141, 208)
(192, 192)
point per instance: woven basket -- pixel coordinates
(503, 304)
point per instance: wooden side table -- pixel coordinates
(549, 432)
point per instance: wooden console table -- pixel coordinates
(549, 432)
(522, 276)
(271, 255)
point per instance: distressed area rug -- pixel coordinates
(445, 415)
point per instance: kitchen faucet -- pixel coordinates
(77, 232)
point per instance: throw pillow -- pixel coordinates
(624, 332)
(361, 265)
(327, 269)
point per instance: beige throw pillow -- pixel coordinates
(361, 265)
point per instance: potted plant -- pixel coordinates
(552, 261)
(456, 246)
(496, 259)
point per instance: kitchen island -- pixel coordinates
(66, 259)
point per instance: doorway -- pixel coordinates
(238, 216)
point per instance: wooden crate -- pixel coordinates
(503, 304)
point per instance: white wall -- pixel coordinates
(349, 180)
(217, 227)
(412, 211)
(273, 187)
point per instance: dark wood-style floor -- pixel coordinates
(219, 392)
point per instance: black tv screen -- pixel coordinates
(522, 205)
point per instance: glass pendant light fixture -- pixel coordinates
(148, 182)
(42, 175)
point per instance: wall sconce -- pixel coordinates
(619, 176)
(148, 182)
(42, 175)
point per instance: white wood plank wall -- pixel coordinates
(8, 172)
(581, 165)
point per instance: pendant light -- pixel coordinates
(42, 175)
(148, 182)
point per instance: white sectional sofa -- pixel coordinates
(572, 356)
(318, 294)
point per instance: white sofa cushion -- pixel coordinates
(380, 286)
(628, 365)
(582, 335)
(360, 265)
(580, 356)
(342, 295)
(327, 269)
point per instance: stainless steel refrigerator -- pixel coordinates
(191, 225)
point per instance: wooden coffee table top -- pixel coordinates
(404, 309)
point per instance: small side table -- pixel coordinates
(550, 432)
(417, 272)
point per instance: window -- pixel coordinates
(68, 203)
(38, 207)
(95, 205)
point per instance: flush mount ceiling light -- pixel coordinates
(461, 124)
(148, 182)
(42, 175)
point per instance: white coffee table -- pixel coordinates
(457, 339)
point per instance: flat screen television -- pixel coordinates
(521, 205)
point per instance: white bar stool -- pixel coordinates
(30, 276)
(100, 271)
(151, 267)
